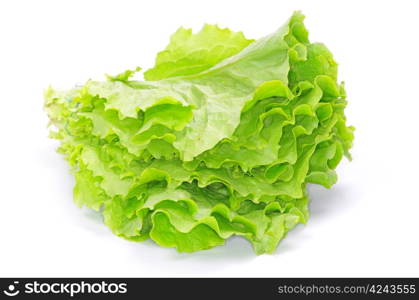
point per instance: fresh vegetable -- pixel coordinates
(220, 139)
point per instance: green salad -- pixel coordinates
(221, 138)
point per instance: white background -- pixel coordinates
(366, 225)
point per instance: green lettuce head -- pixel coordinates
(220, 139)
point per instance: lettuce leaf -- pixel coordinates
(220, 139)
